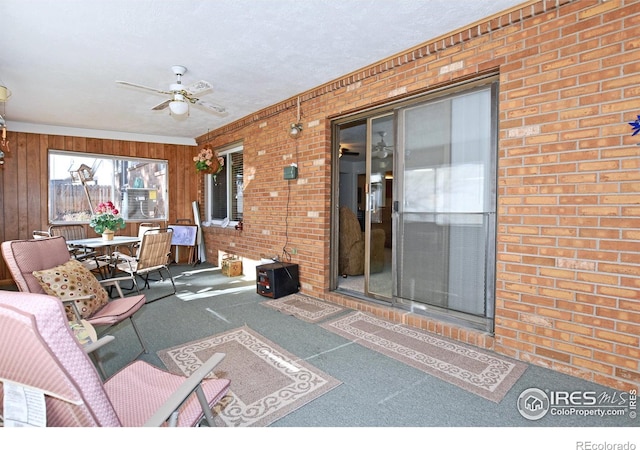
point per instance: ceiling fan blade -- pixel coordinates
(207, 105)
(161, 106)
(159, 91)
(347, 152)
(198, 87)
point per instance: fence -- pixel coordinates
(69, 201)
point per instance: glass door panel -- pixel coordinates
(446, 210)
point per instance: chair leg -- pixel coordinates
(98, 363)
(171, 278)
(166, 295)
(146, 281)
(135, 328)
(206, 409)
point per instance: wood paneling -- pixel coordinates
(24, 180)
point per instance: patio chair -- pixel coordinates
(153, 256)
(142, 229)
(85, 296)
(89, 258)
(38, 353)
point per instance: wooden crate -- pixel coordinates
(231, 267)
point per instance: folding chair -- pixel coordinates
(39, 354)
(89, 258)
(84, 295)
(153, 256)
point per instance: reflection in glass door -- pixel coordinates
(365, 197)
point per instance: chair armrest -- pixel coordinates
(183, 392)
(123, 256)
(84, 255)
(74, 306)
(114, 281)
(97, 344)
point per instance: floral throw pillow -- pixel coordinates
(72, 280)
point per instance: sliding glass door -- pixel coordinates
(421, 179)
(445, 213)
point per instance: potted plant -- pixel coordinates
(106, 220)
(208, 161)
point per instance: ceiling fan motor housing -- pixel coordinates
(179, 70)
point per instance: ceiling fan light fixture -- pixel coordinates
(179, 107)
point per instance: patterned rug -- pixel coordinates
(304, 308)
(267, 382)
(481, 372)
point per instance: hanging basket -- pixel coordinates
(214, 167)
(208, 161)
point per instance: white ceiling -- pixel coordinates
(60, 59)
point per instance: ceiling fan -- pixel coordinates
(181, 95)
(381, 149)
(346, 152)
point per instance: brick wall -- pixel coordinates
(568, 244)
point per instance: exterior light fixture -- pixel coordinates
(4, 94)
(295, 129)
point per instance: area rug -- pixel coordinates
(480, 372)
(303, 307)
(267, 382)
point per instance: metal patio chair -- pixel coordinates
(153, 256)
(40, 356)
(87, 301)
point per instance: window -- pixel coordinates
(79, 181)
(223, 191)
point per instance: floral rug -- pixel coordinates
(303, 307)
(481, 372)
(267, 382)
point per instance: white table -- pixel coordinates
(98, 242)
(106, 245)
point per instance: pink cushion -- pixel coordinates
(135, 402)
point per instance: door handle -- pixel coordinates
(372, 202)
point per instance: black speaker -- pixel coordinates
(277, 279)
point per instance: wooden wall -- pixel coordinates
(24, 180)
